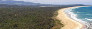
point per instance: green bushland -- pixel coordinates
(58, 24)
(27, 17)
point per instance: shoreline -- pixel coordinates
(68, 22)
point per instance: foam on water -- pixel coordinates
(74, 16)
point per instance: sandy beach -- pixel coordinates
(67, 21)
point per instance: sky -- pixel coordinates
(58, 2)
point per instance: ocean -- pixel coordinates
(82, 15)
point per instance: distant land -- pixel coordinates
(22, 3)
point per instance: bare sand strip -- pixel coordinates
(67, 21)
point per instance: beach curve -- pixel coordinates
(67, 21)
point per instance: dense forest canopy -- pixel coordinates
(27, 17)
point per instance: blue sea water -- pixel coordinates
(84, 14)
